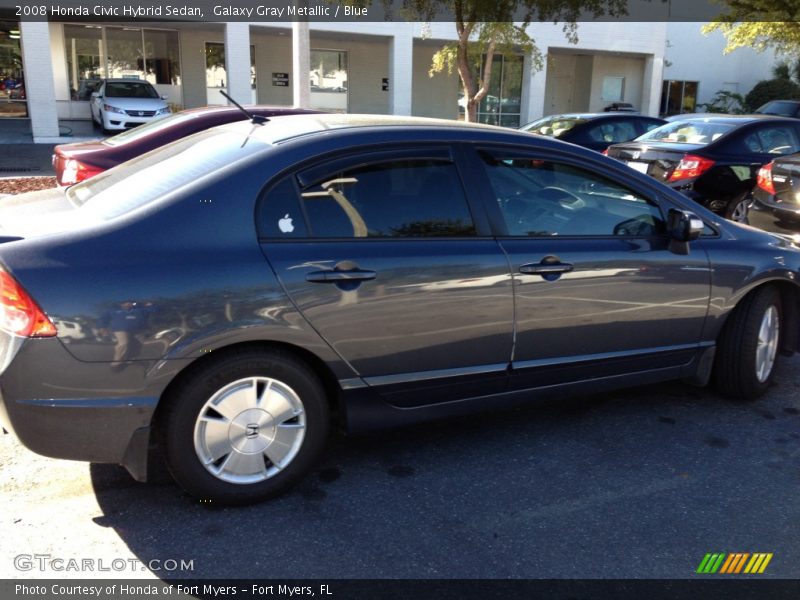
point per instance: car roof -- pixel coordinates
(284, 128)
(597, 115)
(732, 119)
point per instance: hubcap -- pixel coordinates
(740, 212)
(250, 430)
(767, 348)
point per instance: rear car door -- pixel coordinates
(394, 265)
(598, 293)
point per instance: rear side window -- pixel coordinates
(777, 140)
(613, 132)
(393, 198)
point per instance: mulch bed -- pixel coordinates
(20, 185)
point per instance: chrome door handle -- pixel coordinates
(338, 276)
(546, 268)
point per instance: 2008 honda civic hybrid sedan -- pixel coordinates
(233, 294)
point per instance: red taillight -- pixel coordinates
(605, 152)
(764, 179)
(75, 171)
(691, 166)
(19, 314)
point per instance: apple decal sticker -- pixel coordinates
(285, 224)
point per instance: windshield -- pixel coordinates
(130, 89)
(552, 126)
(687, 132)
(143, 130)
(137, 182)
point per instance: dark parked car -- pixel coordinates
(778, 190)
(233, 291)
(781, 108)
(713, 160)
(76, 162)
(596, 131)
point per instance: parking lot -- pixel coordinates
(635, 484)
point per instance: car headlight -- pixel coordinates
(113, 109)
(163, 111)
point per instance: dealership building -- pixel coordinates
(48, 70)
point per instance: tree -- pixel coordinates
(759, 24)
(486, 28)
(725, 101)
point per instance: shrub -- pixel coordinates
(771, 89)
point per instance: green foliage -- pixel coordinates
(759, 24)
(771, 89)
(726, 102)
(781, 71)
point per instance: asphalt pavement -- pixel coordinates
(635, 484)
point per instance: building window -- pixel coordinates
(328, 78)
(613, 89)
(12, 83)
(94, 52)
(217, 77)
(501, 105)
(678, 97)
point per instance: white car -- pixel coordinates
(123, 103)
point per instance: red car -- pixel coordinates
(76, 162)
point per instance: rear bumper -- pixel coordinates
(60, 407)
(779, 209)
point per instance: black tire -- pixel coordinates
(735, 370)
(738, 209)
(186, 402)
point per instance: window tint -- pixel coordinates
(613, 132)
(398, 198)
(279, 213)
(544, 198)
(773, 140)
(130, 89)
(650, 125)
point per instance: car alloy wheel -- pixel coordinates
(244, 426)
(767, 349)
(738, 209)
(250, 430)
(748, 346)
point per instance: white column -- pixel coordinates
(534, 84)
(237, 61)
(301, 64)
(401, 61)
(651, 85)
(39, 87)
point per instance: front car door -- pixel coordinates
(598, 292)
(382, 253)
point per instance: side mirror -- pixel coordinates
(164, 97)
(683, 227)
(96, 95)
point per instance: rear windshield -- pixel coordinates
(779, 107)
(142, 130)
(130, 89)
(553, 127)
(688, 132)
(137, 182)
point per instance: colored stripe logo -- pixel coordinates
(734, 562)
